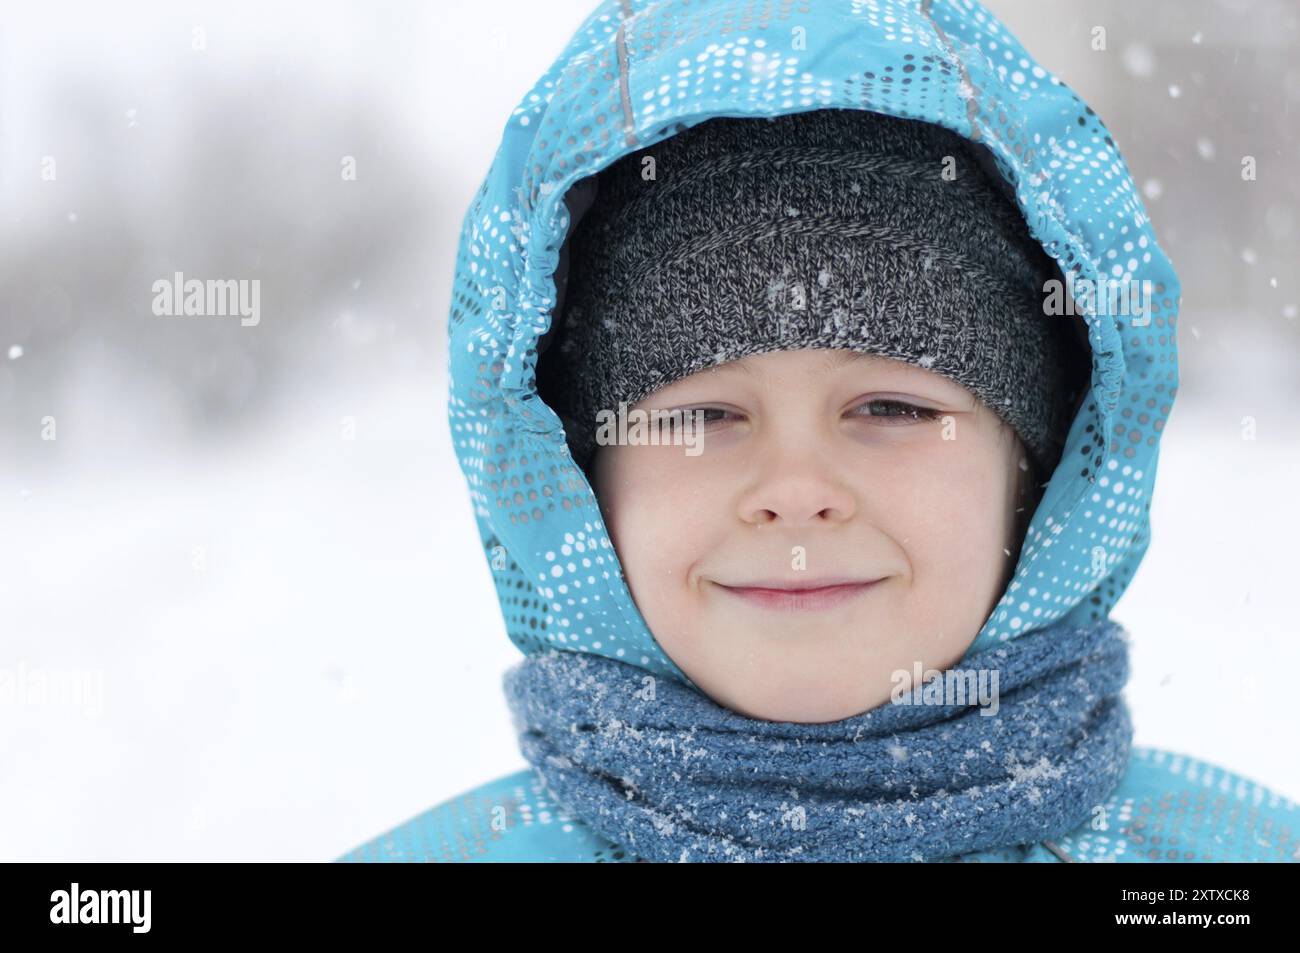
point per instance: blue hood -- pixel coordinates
(639, 71)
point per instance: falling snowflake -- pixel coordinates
(1139, 60)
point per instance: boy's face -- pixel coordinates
(808, 476)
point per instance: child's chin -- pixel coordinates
(790, 686)
(802, 710)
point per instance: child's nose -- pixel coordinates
(796, 493)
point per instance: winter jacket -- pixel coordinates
(639, 71)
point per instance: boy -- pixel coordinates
(832, 635)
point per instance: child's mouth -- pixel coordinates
(810, 598)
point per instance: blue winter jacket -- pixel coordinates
(639, 71)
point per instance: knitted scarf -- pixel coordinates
(659, 768)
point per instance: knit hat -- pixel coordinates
(830, 228)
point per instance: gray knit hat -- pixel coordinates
(830, 228)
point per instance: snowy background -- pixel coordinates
(298, 643)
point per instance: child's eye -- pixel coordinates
(896, 410)
(690, 417)
(707, 411)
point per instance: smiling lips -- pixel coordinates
(789, 598)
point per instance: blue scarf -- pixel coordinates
(659, 768)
